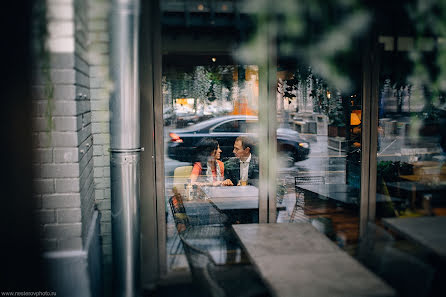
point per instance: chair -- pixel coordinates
(298, 206)
(372, 244)
(180, 176)
(407, 274)
(207, 236)
(221, 281)
(183, 223)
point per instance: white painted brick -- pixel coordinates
(59, 170)
(48, 244)
(46, 216)
(63, 76)
(81, 65)
(99, 47)
(60, 11)
(65, 108)
(43, 155)
(105, 228)
(96, 58)
(70, 244)
(97, 25)
(100, 116)
(86, 160)
(43, 186)
(99, 71)
(100, 104)
(67, 185)
(61, 201)
(62, 61)
(99, 36)
(41, 140)
(98, 10)
(100, 82)
(104, 204)
(98, 172)
(66, 155)
(106, 239)
(62, 230)
(106, 149)
(100, 128)
(99, 194)
(106, 171)
(106, 216)
(60, 29)
(37, 201)
(107, 249)
(84, 133)
(40, 124)
(82, 79)
(101, 139)
(61, 45)
(69, 123)
(69, 215)
(99, 94)
(86, 119)
(61, 92)
(64, 139)
(107, 193)
(97, 150)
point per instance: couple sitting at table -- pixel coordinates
(244, 167)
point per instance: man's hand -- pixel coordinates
(227, 182)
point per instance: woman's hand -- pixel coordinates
(227, 182)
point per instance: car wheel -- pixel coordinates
(287, 158)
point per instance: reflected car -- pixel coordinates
(183, 142)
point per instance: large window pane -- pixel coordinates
(206, 108)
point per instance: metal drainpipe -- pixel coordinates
(125, 148)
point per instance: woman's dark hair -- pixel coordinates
(205, 148)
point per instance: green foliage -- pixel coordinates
(390, 171)
(317, 32)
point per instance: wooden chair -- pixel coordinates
(297, 212)
(223, 280)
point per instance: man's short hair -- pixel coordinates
(246, 142)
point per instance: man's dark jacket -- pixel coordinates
(232, 170)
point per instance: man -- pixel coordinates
(244, 166)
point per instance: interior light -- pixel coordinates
(214, 59)
(200, 7)
(328, 95)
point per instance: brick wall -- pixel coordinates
(100, 86)
(62, 137)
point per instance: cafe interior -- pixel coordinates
(327, 175)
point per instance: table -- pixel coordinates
(429, 232)
(240, 203)
(296, 260)
(233, 198)
(341, 192)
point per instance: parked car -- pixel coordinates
(225, 130)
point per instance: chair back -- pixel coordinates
(179, 213)
(372, 244)
(180, 176)
(410, 276)
(200, 262)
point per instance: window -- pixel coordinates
(232, 126)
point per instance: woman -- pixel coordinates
(208, 165)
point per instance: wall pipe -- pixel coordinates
(125, 147)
